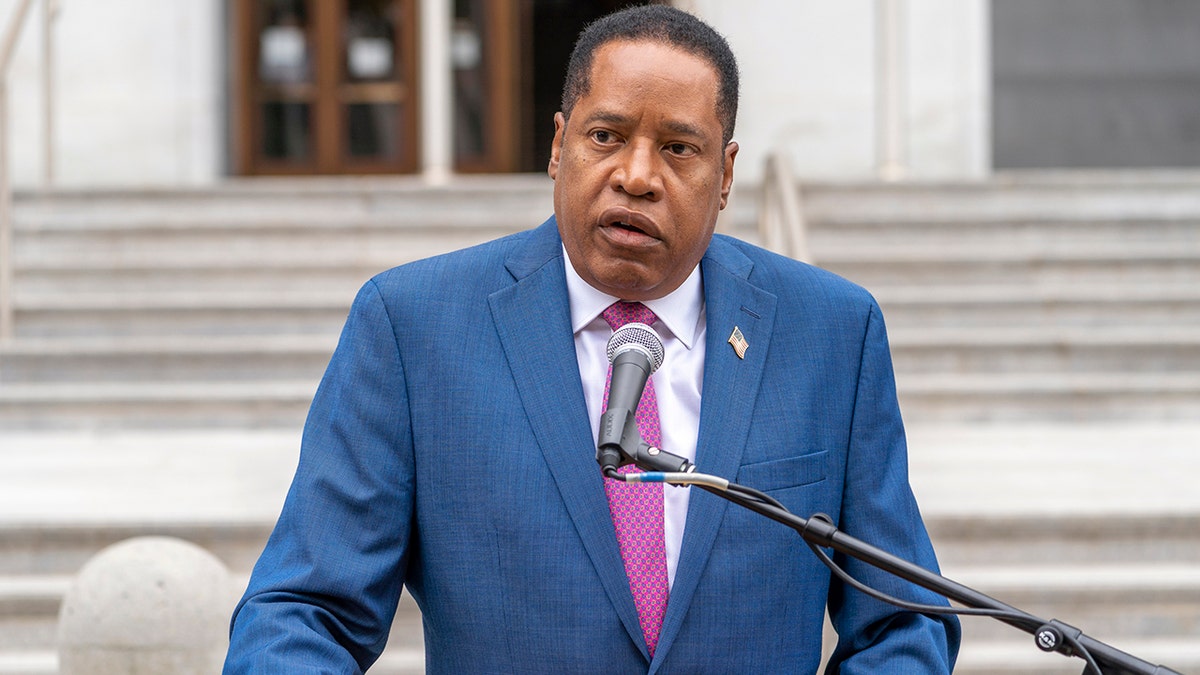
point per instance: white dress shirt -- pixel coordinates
(677, 383)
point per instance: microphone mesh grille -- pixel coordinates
(637, 336)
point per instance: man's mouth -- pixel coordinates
(622, 221)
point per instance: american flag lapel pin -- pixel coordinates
(739, 342)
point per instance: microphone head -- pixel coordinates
(637, 336)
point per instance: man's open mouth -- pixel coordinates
(623, 219)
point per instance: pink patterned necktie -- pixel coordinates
(637, 508)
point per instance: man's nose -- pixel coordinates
(638, 172)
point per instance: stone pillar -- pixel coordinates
(437, 99)
(147, 605)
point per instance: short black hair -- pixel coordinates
(669, 26)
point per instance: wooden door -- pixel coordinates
(327, 86)
(489, 80)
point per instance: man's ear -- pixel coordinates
(731, 150)
(560, 125)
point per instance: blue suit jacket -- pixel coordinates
(448, 449)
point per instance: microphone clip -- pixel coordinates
(620, 444)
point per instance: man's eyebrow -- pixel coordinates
(609, 117)
(684, 129)
(618, 119)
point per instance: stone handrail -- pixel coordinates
(7, 47)
(781, 220)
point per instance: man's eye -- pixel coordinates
(602, 136)
(681, 149)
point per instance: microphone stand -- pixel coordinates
(819, 531)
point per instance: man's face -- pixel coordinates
(640, 170)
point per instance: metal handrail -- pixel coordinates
(7, 47)
(781, 221)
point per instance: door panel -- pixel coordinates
(488, 84)
(327, 86)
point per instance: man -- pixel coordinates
(450, 448)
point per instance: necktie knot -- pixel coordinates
(620, 313)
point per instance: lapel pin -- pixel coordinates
(739, 342)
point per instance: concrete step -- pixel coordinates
(237, 244)
(1105, 601)
(1027, 196)
(1046, 539)
(168, 359)
(393, 661)
(156, 405)
(467, 200)
(954, 250)
(1038, 396)
(181, 313)
(1018, 304)
(978, 350)
(1019, 656)
(318, 275)
(24, 662)
(838, 233)
(52, 551)
(1007, 241)
(29, 607)
(1166, 268)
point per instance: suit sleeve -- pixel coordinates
(878, 507)
(323, 594)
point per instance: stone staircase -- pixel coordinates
(215, 307)
(1065, 297)
(1062, 301)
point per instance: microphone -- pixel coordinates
(635, 352)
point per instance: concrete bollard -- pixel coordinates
(149, 605)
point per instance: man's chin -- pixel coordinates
(631, 288)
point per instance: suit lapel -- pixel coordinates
(730, 386)
(546, 372)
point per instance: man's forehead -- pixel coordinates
(607, 66)
(649, 43)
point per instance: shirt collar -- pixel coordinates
(679, 311)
